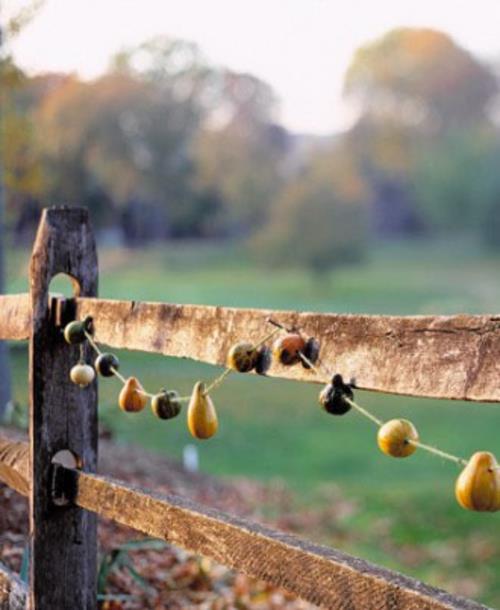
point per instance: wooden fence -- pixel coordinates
(455, 357)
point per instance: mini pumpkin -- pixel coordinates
(242, 357)
(286, 348)
(131, 398)
(333, 396)
(105, 364)
(478, 485)
(393, 438)
(82, 374)
(201, 414)
(166, 405)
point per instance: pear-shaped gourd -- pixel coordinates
(131, 397)
(201, 415)
(478, 485)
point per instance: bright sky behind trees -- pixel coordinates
(301, 47)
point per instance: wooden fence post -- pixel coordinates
(62, 417)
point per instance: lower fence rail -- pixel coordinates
(320, 575)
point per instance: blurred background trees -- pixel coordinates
(167, 146)
(425, 134)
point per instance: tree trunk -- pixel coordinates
(5, 381)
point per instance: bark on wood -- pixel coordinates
(455, 357)
(62, 416)
(323, 576)
(13, 592)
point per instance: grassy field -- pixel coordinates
(399, 513)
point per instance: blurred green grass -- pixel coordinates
(274, 429)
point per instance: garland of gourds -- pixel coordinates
(477, 487)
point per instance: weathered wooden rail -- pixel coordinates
(447, 357)
(454, 357)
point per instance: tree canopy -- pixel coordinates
(420, 77)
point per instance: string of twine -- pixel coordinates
(115, 372)
(218, 381)
(378, 422)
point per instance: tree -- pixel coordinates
(5, 381)
(417, 92)
(457, 183)
(8, 76)
(422, 78)
(319, 220)
(240, 152)
(128, 133)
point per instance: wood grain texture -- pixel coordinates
(15, 317)
(322, 576)
(13, 592)
(456, 357)
(62, 416)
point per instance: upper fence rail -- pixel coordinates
(449, 357)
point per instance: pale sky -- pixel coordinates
(301, 47)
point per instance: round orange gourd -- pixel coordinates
(131, 398)
(393, 437)
(478, 485)
(286, 349)
(201, 415)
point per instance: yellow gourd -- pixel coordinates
(242, 357)
(478, 485)
(393, 437)
(131, 398)
(201, 415)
